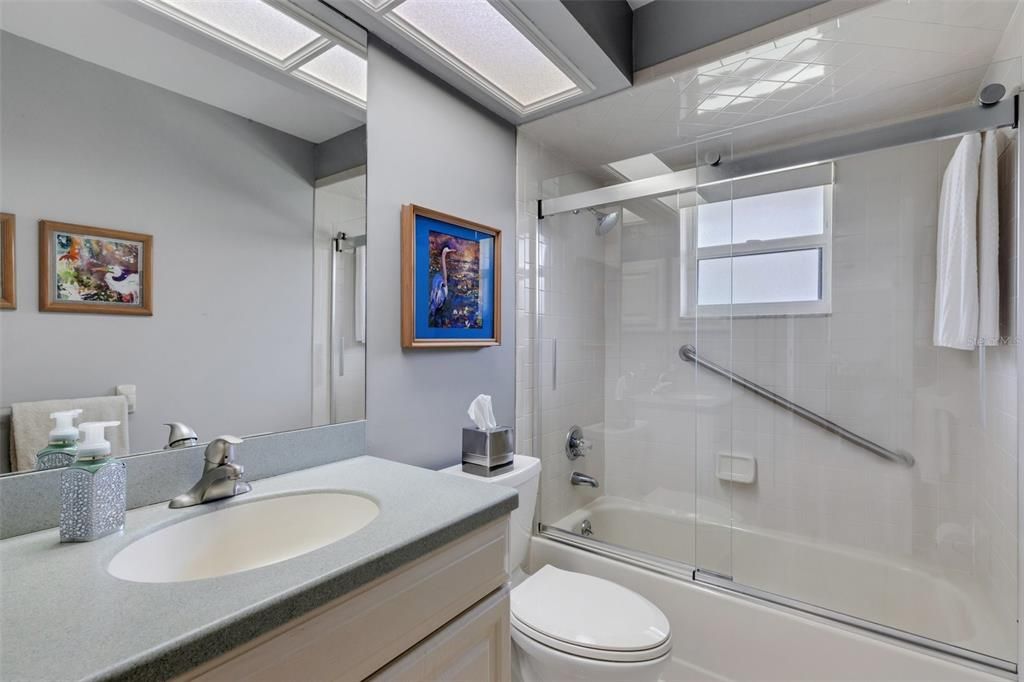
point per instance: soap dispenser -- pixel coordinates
(62, 446)
(92, 489)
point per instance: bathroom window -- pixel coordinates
(764, 250)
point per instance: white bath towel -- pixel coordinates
(31, 425)
(956, 272)
(988, 242)
(360, 304)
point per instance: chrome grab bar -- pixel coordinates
(689, 353)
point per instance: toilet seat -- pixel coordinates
(584, 616)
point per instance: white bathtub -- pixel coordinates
(909, 596)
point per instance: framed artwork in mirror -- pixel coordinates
(8, 299)
(86, 269)
(451, 281)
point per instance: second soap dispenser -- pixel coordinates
(93, 489)
(62, 445)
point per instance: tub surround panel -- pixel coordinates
(49, 587)
(31, 502)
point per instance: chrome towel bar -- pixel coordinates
(689, 353)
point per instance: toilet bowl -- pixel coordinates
(573, 626)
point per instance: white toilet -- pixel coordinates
(573, 626)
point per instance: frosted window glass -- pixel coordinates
(795, 213)
(479, 36)
(252, 22)
(341, 69)
(780, 277)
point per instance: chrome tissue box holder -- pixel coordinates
(487, 452)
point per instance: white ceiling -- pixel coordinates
(134, 40)
(888, 61)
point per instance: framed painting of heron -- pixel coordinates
(451, 281)
(86, 269)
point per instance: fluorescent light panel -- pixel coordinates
(252, 22)
(482, 40)
(338, 69)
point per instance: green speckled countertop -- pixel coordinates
(63, 617)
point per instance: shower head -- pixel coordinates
(606, 222)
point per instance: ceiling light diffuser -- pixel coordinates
(253, 23)
(337, 69)
(473, 34)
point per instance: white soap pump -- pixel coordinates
(93, 489)
(62, 445)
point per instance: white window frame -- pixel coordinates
(690, 257)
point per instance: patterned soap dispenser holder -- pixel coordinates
(92, 489)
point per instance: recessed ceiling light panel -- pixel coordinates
(474, 35)
(253, 23)
(337, 69)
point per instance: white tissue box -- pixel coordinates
(487, 452)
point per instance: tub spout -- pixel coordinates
(582, 479)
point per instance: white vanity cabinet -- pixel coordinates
(442, 617)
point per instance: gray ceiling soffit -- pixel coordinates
(550, 18)
(610, 24)
(665, 29)
(341, 153)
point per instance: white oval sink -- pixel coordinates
(243, 537)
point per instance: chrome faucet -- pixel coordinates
(181, 436)
(222, 477)
(582, 479)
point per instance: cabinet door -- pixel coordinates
(475, 647)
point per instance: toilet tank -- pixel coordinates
(525, 478)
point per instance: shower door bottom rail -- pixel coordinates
(956, 653)
(709, 579)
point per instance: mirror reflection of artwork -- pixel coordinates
(451, 274)
(95, 270)
(7, 279)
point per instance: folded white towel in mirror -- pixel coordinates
(31, 425)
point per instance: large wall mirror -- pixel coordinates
(184, 186)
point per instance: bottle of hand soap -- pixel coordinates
(62, 447)
(92, 489)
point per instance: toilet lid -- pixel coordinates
(588, 613)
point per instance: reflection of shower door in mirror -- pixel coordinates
(339, 327)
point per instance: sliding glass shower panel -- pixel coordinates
(863, 477)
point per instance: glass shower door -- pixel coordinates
(854, 454)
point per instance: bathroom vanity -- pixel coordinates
(419, 592)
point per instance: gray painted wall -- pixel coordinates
(610, 24)
(230, 205)
(431, 147)
(341, 153)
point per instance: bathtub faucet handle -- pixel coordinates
(576, 445)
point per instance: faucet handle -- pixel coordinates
(221, 450)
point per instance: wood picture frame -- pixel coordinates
(442, 310)
(8, 271)
(96, 270)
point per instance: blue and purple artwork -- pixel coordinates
(454, 282)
